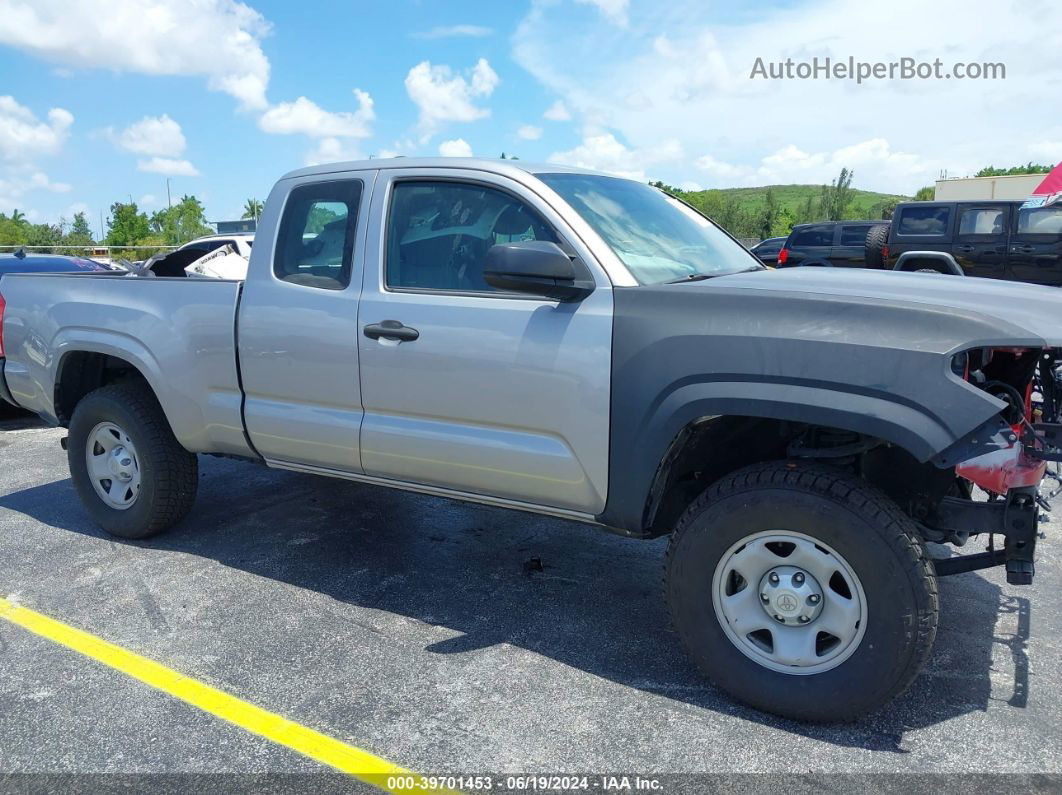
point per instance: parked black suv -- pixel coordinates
(994, 239)
(836, 243)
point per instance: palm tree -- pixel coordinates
(252, 209)
(18, 216)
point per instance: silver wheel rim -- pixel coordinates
(113, 466)
(789, 602)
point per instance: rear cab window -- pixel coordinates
(315, 240)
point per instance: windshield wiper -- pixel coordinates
(698, 277)
(692, 277)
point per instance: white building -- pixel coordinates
(1010, 188)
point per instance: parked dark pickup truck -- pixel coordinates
(993, 239)
(572, 344)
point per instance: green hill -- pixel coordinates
(741, 211)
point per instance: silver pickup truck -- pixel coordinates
(564, 342)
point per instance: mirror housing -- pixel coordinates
(536, 267)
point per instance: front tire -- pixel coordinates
(131, 473)
(802, 591)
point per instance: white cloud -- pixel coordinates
(529, 132)
(152, 135)
(458, 147)
(453, 31)
(24, 137)
(171, 167)
(790, 164)
(17, 182)
(680, 72)
(333, 150)
(216, 39)
(601, 151)
(558, 111)
(307, 118)
(442, 96)
(690, 185)
(614, 11)
(147, 200)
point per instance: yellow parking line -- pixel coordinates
(361, 764)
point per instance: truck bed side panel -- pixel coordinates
(179, 333)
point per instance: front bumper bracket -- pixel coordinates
(1015, 517)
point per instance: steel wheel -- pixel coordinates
(789, 602)
(113, 466)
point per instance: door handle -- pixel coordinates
(965, 249)
(1022, 249)
(391, 330)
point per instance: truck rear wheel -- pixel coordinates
(131, 473)
(802, 591)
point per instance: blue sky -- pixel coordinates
(101, 100)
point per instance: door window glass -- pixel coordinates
(812, 236)
(438, 233)
(1040, 220)
(315, 241)
(985, 221)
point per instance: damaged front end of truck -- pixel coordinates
(1002, 467)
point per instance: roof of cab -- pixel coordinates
(468, 163)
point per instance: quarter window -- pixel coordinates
(854, 235)
(438, 233)
(315, 242)
(924, 220)
(987, 221)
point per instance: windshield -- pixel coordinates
(657, 237)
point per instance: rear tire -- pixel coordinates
(877, 237)
(828, 526)
(131, 473)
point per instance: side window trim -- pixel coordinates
(388, 207)
(355, 199)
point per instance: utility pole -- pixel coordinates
(103, 234)
(169, 203)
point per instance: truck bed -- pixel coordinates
(178, 332)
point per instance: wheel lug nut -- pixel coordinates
(773, 579)
(798, 579)
(779, 619)
(764, 598)
(813, 599)
(804, 619)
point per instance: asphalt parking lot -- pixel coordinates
(417, 628)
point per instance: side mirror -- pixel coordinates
(537, 267)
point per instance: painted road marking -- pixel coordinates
(361, 764)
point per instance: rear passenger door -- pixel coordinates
(851, 248)
(298, 323)
(980, 245)
(1036, 246)
(478, 390)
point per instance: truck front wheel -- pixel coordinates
(131, 473)
(802, 591)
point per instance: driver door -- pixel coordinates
(477, 390)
